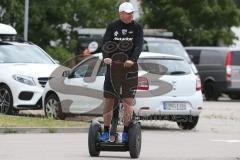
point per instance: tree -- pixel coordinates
(51, 20)
(56, 21)
(195, 22)
(12, 13)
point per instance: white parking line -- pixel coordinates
(227, 141)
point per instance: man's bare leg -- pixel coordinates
(107, 111)
(128, 111)
(107, 115)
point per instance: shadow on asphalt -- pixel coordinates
(156, 128)
(223, 98)
(115, 157)
(229, 101)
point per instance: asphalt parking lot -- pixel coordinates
(215, 137)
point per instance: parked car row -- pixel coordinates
(168, 89)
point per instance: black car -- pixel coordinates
(219, 69)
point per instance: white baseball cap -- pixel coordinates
(126, 7)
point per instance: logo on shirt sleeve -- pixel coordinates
(115, 33)
(124, 32)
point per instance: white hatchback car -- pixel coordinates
(167, 89)
(24, 69)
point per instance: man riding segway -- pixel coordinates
(122, 45)
(121, 31)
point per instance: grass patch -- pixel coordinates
(33, 122)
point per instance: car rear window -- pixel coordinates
(235, 58)
(167, 47)
(165, 66)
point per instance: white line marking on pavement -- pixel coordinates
(227, 141)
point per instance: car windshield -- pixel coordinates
(168, 47)
(164, 66)
(23, 54)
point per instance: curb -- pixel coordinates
(43, 130)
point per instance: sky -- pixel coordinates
(236, 30)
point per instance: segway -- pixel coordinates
(133, 145)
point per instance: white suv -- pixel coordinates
(24, 71)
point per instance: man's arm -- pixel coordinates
(138, 43)
(107, 37)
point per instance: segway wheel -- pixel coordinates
(93, 133)
(135, 140)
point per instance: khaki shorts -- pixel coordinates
(121, 82)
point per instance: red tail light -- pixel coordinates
(142, 83)
(228, 64)
(198, 83)
(144, 108)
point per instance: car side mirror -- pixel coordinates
(66, 73)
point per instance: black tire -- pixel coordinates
(211, 92)
(93, 133)
(135, 140)
(188, 123)
(53, 108)
(6, 101)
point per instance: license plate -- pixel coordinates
(174, 106)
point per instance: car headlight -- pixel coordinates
(24, 79)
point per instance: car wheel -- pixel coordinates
(53, 108)
(189, 123)
(6, 100)
(211, 92)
